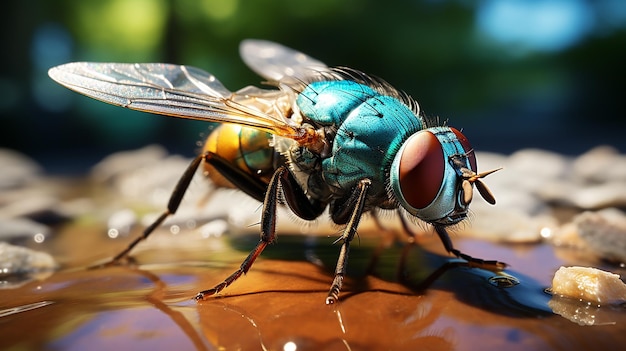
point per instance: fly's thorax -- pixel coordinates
(427, 174)
(245, 148)
(329, 102)
(368, 128)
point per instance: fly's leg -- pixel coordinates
(346, 237)
(296, 199)
(268, 232)
(250, 185)
(172, 206)
(473, 262)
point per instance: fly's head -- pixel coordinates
(433, 174)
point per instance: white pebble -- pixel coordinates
(17, 169)
(20, 228)
(17, 260)
(127, 161)
(604, 232)
(600, 164)
(589, 284)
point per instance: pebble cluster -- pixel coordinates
(530, 190)
(535, 186)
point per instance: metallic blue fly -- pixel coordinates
(325, 137)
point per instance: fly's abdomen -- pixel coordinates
(371, 127)
(244, 148)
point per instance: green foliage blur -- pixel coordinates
(505, 95)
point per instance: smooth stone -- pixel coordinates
(599, 165)
(124, 162)
(17, 169)
(589, 284)
(604, 232)
(22, 228)
(17, 260)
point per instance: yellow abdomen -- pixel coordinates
(244, 148)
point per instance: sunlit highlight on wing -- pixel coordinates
(171, 90)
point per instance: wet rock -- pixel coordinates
(22, 228)
(26, 202)
(26, 193)
(600, 165)
(17, 169)
(566, 236)
(593, 180)
(520, 214)
(604, 232)
(531, 182)
(582, 312)
(533, 169)
(595, 196)
(508, 225)
(534, 181)
(147, 175)
(127, 161)
(589, 284)
(121, 222)
(19, 264)
(142, 182)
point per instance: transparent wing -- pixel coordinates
(279, 63)
(173, 90)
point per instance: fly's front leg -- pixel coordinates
(346, 237)
(172, 205)
(268, 234)
(473, 262)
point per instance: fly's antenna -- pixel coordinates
(470, 178)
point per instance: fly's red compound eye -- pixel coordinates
(469, 151)
(421, 169)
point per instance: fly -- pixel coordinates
(322, 137)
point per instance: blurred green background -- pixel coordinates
(511, 73)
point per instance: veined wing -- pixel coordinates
(286, 66)
(279, 63)
(179, 91)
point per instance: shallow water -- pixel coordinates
(279, 305)
(397, 296)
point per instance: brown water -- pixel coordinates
(396, 298)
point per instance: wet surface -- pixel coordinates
(280, 303)
(397, 296)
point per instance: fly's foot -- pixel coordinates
(202, 295)
(490, 265)
(209, 292)
(330, 300)
(199, 296)
(335, 288)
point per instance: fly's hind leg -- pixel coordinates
(250, 185)
(172, 206)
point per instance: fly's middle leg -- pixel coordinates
(346, 237)
(268, 234)
(295, 198)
